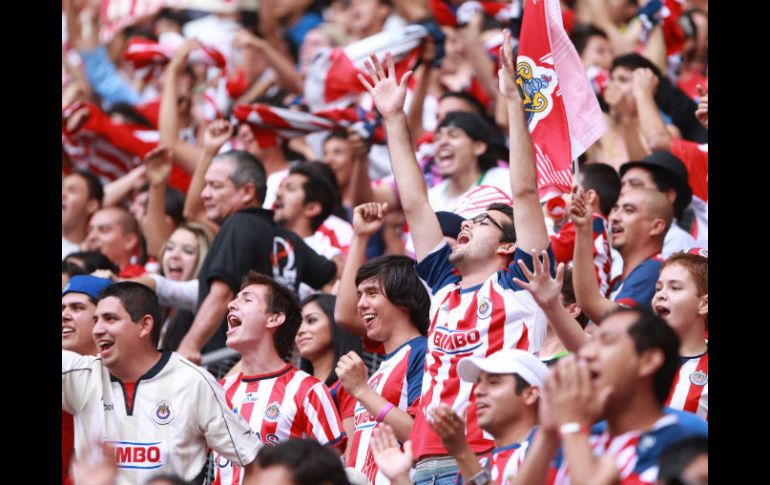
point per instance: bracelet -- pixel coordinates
(573, 427)
(383, 412)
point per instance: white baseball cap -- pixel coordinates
(506, 361)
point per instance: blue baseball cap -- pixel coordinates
(87, 284)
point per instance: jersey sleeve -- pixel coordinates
(322, 419)
(76, 374)
(345, 403)
(639, 287)
(436, 270)
(514, 271)
(415, 370)
(226, 432)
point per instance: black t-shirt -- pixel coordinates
(249, 239)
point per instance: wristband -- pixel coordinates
(573, 427)
(383, 412)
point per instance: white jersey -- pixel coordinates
(175, 412)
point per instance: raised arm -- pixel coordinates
(157, 229)
(186, 155)
(367, 219)
(216, 134)
(651, 124)
(587, 293)
(287, 75)
(210, 315)
(389, 96)
(528, 218)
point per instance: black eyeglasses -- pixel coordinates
(484, 216)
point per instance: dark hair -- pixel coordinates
(175, 205)
(94, 185)
(343, 340)
(174, 201)
(666, 180)
(92, 260)
(71, 269)
(246, 168)
(509, 235)
(650, 332)
(280, 300)
(320, 186)
(402, 287)
(605, 181)
(676, 457)
(568, 293)
(635, 61)
(308, 461)
(138, 300)
(336, 134)
(131, 115)
(468, 98)
(178, 17)
(582, 33)
(521, 384)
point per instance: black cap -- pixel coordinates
(670, 163)
(450, 223)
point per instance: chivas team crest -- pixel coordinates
(162, 413)
(536, 86)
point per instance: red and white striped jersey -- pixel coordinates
(165, 422)
(696, 158)
(690, 391)
(504, 462)
(635, 453)
(283, 405)
(471, 322)
(398, 379)
(563, 244)
(332, 237)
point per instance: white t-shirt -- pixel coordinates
(178, 410)
(440, 200)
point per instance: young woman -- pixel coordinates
(321, 342)
(681, 299)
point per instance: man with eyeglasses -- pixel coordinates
(476, 308)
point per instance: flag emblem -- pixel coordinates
(536, 85)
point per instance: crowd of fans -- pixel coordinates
(366, 232)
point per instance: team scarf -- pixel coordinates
(271, 124)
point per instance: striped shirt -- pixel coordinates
(286, 404)
(636, 454)
(690, 391)
(468, 322)
(504, 462)
(398, 380)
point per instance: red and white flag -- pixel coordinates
(562, 111)
(332, 80)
